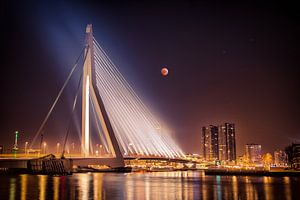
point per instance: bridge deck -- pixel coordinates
(9, 161)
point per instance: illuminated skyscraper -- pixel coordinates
(296, 156)
(210, 144)
(230, 142)
(227, 144)
(222, 143)
(253, 153)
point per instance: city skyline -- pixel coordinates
(216, 75)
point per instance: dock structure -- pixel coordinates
(43, 165)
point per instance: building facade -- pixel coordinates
(218, 142)
(210, 144)
(296, 156)
(280, 158)
(253, 153)
(230, 142)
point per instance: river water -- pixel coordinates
(150, 185)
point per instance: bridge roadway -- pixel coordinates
(9, 161)
(177, 160)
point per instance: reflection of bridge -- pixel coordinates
(113, 115)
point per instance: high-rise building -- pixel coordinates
(253, 153)
(205, 144)
(296, 156)
(222, 143)
(218, 142)
(210, 145)
(227, 134)
(280, 158)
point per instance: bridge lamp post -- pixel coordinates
(97, 150)
(57, 148)
(26, 146)
(100, 151)
(44, 145)
(15, 148)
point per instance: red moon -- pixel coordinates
(164, 71)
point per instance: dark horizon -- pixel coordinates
(228, 62)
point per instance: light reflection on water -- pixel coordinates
(42, 186)
(156, 185)
(287, 188)
(12, 189)
(235, 188)
(23, 186)
(56, 188)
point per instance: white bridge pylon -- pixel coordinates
(89, 92)
(127, 125)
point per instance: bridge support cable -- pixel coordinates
(100, 131)
(138, 145)
(71, 117)
(58, 97)
(136, 129)
(74, 106)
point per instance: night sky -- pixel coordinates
(228, 62)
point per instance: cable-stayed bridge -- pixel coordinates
(111, 110)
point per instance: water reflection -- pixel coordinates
(23, 186)
(56, 188)
(84, 185)
(235, 191)
(42, 186)
(12, 190)
(147, 191)
(251, 192)
(204, 188)
(268, 188)
(287, 187)
(97, 184)
(218, 194)
(160, 185)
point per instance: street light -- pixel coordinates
(44, 145)
(15, 148)
(26, 145)
(57, 148)
(101, 151)
(97, 149)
